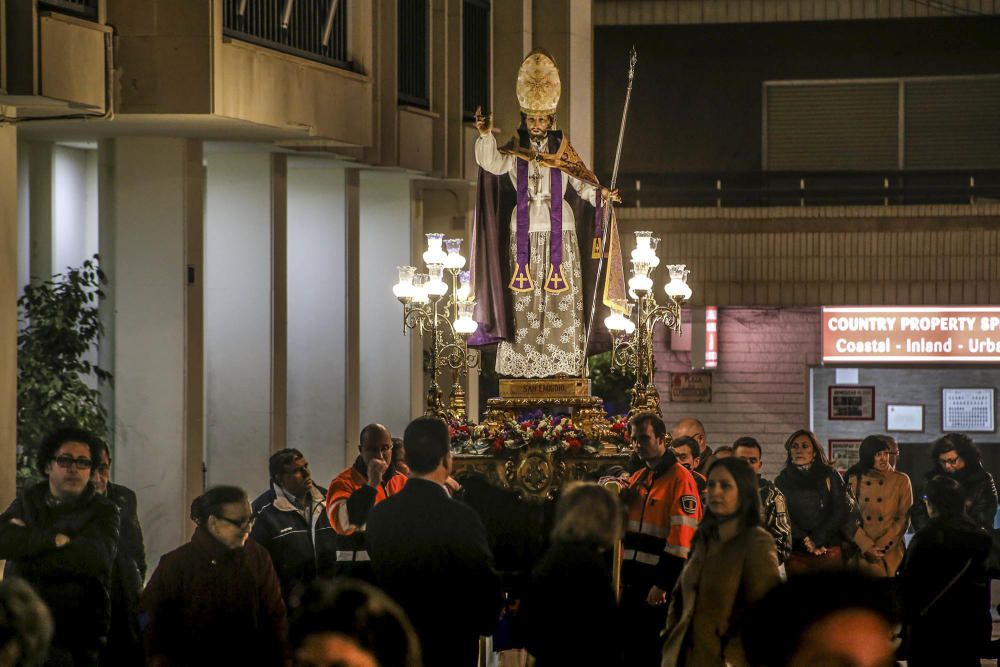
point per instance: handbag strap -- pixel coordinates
(954, 580)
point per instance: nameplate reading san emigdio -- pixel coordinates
(964, 334)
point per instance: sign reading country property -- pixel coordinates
(911, 334)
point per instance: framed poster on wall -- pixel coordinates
(843, 453)
(904, 418)
(968, 409)
(851, 403)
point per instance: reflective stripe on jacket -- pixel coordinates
(664, 510)
(345, 519)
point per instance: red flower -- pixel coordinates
(497, 445)
(573, 444)
(538, 433)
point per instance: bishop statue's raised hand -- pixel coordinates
(484, 123)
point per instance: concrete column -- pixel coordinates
(8, 312)
(279, 301)
(564, 29)
(352, 324)
(386, 149)
(40, 209)
(384, 243)
(443, 77)
(151, 227)
(23, 200)
(317, 315)
(512, 41)
(243, 190)
(451, 47)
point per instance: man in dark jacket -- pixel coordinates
(942, 582)
(292, 523)
(128, 572)
(772, 500)
(430, 553)
(60, 536)
(954, 455)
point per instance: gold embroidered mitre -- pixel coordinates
(538, 85)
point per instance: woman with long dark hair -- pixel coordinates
(733, 563)
(216, 600)
(884, 497)
(817, 505)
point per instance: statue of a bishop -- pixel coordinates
(537, 238)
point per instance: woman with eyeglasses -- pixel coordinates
(884, 497)
(817, 505)
(216, 600)
(733, 563)
(60, 535)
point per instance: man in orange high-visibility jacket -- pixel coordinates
(353, 493)
(664, 510)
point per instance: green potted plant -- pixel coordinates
(59, 326)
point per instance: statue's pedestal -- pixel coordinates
(518, 395)
(534, 474)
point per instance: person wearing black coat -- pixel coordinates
(216, 599)
(817, 505)
(955, 455)
(572, 582)
(292, 523)
(128, 572)
(943, 585)
(430, 553)
(60, 536)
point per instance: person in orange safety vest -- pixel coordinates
(664, 510)
(353, 493)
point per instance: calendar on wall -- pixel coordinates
(968, 410)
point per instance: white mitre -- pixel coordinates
(538, 85)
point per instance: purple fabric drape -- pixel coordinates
(556, 281)
(521, 280)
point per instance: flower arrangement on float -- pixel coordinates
(554, 432)
(619, 433)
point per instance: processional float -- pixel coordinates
(535, 456)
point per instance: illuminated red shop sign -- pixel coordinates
(911, 334)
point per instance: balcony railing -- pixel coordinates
(809, 189)
(86, 9)
(475, 56)
(313, 29)
(413, 53)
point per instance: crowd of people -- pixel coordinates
(388, 566)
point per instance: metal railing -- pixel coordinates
(86, 9)
(413, 48)
(313, 29)
(475, 56)
(757, 189)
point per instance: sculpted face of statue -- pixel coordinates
(538, 126)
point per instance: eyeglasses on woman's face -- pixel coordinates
(243, 523)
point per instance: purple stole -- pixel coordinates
(555, 282)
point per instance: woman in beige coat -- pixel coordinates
(884, 497)
(733, 563)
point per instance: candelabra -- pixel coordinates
(632, 332)
(421, 295)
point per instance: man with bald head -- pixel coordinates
(353, 493)
(689, 427)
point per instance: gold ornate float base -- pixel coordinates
(519, 395)
(534, 474)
